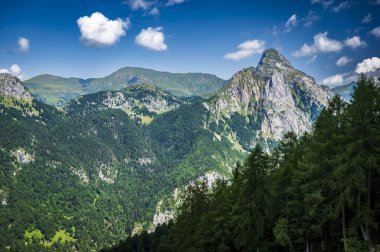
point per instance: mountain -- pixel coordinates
(57, 90)
(109, 164)
(261, 103)
(91, 172)
(142, 102)
(344, 91)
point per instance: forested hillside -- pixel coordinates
(89, 175)
(317, 192)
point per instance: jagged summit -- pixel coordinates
(272, 58)
(12, 86)
(271, 99)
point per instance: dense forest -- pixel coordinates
(317, 192)
(86, 182)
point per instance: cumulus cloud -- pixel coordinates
(23, 44)
(292, 22)
(152, 38)
(334, 80)
(246, 49)
(305, 50)
(174, 2)
(376, 32)
(368, 65)
(342, 61)
(355, 42)
(14, 69)
(367, 19)
(98, 30)
(322, 44)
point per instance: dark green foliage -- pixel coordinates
(317, 192)
(47, 196)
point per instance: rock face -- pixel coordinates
(22, 157)
(12, 86)
(272, 98)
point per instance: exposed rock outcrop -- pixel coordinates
(273, 98)
(12, 86)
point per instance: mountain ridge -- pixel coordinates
(58, 90)
(272, 98)
(128, 151)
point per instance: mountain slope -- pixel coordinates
(344, 91)
(261, 104)
(141, 102)
(107, 164)
(57, 90)
(92, 178)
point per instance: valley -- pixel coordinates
(114, 163)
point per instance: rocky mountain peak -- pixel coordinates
(12, 86)
(267, 101)
(272, 58)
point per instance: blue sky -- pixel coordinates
(94, 38)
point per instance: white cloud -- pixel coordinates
(342, 61)
(98, 30)
(335, 80)
(14, 70)
(292, 22)
(139, 4)
(355, 42)
(154, 12)
(152, 38)
(329, 4)
(174, 2)
(247, 49)
(310, 18)
(368, 65)
(376, 32)
(324, 3)
(367, 19)
(312, 59)
(23, 44)
(342, 6)
(325, 44)
(321, 44)
(340, 79)
(305, 50)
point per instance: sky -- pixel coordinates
(331, 40)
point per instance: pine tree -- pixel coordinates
(363, 152)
